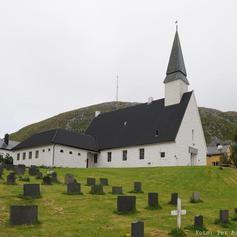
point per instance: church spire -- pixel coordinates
(176, 68)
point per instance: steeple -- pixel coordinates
(176, 68)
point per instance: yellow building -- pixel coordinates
(216, 154)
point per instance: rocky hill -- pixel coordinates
(222, 125)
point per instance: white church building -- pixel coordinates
(164, 132)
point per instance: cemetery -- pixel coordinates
(163, 199)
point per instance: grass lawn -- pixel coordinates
(93, 215)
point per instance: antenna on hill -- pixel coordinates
(117, 88)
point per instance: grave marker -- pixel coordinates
(195, 197)
(31, 190)
(69, 178)
(97, 189)
(198, 222)
(117, 190)
(11, 179)
(126, 204)
(90, 181)
(23, 215)
(153, 201)
(224, 216)
(174, 198)
(104, 181)
(179, 212)
(47, 180)
(137, 229)
(138, 187)
(74, 188)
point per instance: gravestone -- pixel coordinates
(224, 216)
(54, 177)
(104, 181)
(23, 215)
(174, 198)
(195, 197)
(117, 190)
(39, 175)
(47, 180)
(69, 178)
(31, 190)
(1, 170)
(97, 189)
(235, 211)
(198, 222)
(126, 204)
(90, 181)
(11, 179)
(74, 188)
(137, 229)
(33, 170)
(153, 201)
(137, 187)
(20, 169)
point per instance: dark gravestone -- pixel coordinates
(117, 190)
(11, 179)
(69, 178)
(54, 177)
(33, 170)
(1, 170)
(137, 187)
(74, 188)
(224, 216)
(39, 175)
(174, 198)
(137, 229)
(198, 222)
(23, 215)
(20, 169)
(90, 181)
(47, 180)
(97, 189)
(126, 204)
(104, 181)
(31, 190)
(153, 201)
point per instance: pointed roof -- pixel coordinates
(176, 68)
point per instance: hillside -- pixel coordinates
(222, 125)
(93, 215)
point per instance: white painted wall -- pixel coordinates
(5, 152)
(174, 91)
(64, 159)
(45, 156)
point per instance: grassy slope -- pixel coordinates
(215, 123)
(92, 216)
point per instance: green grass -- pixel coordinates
(93, 215)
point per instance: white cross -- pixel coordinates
(179, 212)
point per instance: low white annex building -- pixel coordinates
(164, 132)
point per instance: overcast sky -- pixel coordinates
(57, 55)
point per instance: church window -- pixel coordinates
(61, 151)
(141, 154)
(162, 154)
(109, 156)
(30, 155)
(157, 133)
(49, 149)
(192, 134)
(36, 154)
(24, 155)
(18, 156)
(125, 155)
(79, 153)
(43, 150)
(70, 152)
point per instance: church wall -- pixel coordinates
(191, 134)
(44, 157)
(64, 159)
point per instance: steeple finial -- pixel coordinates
(176, 24)
(176, 67)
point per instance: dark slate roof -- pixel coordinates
(10, 146)
(137, 125)
(176, 67)
(61, 137)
